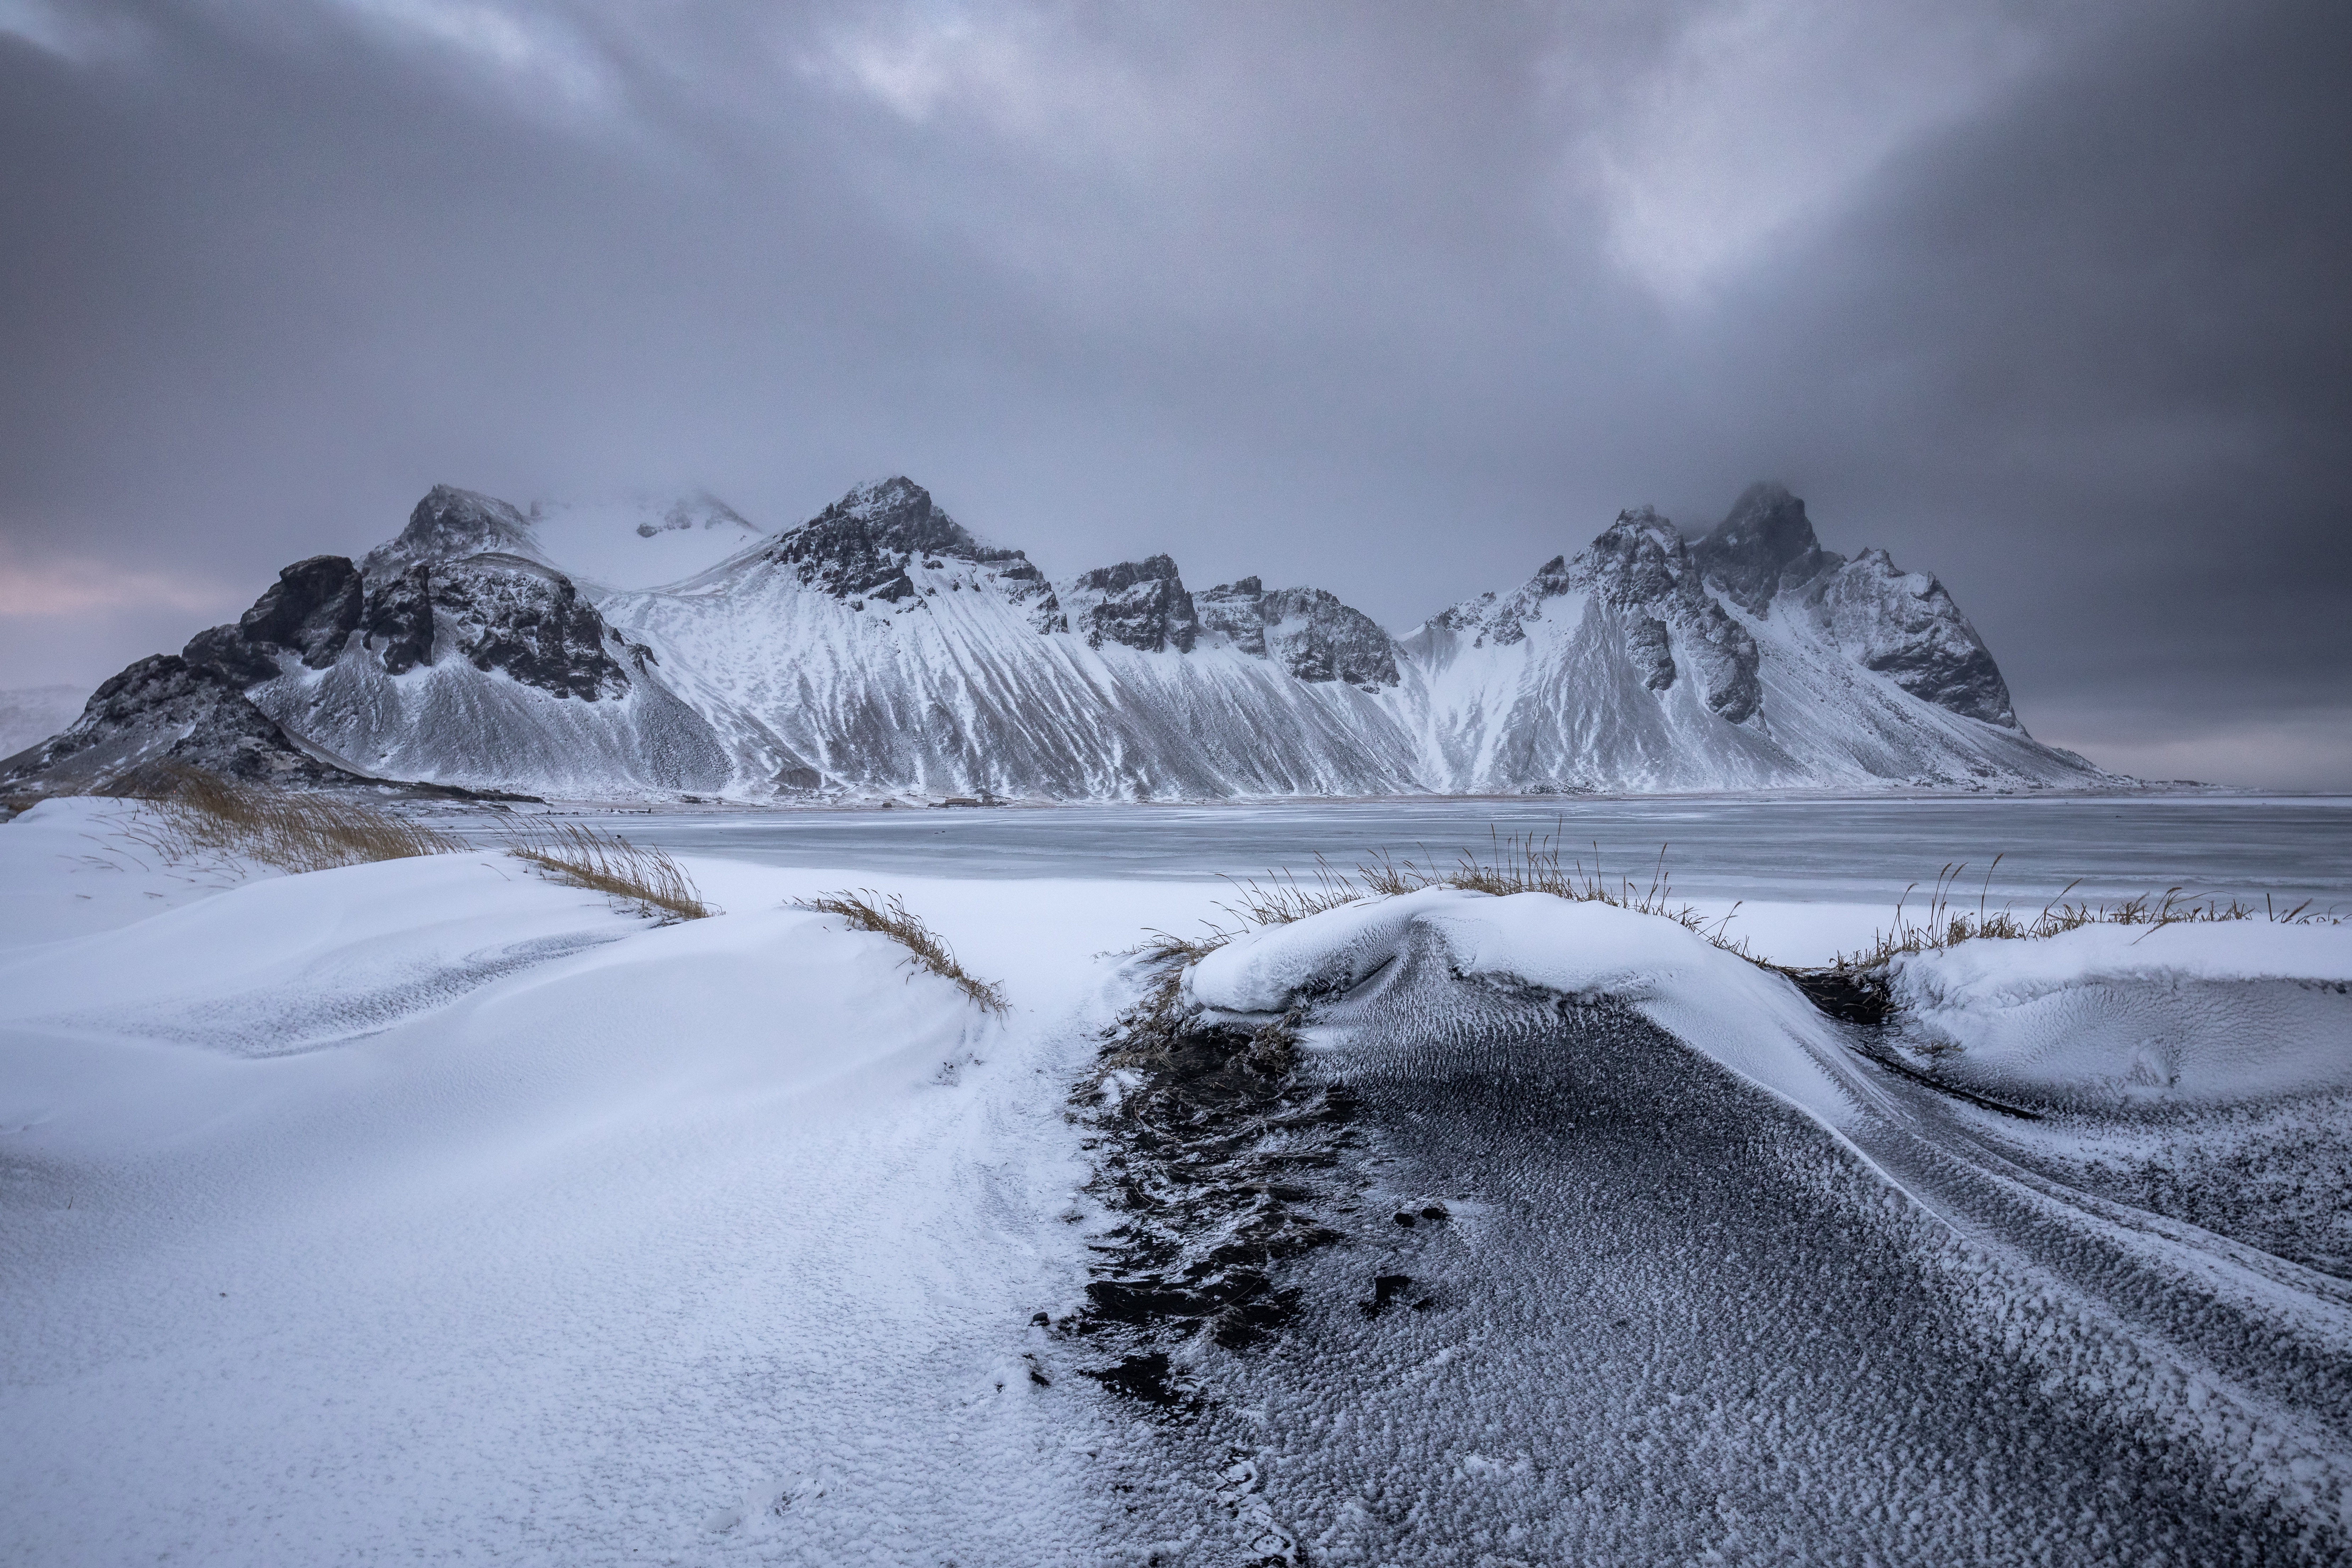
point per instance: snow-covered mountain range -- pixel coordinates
(880, 648)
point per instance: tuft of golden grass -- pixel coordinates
(645, 879)
(197, 812)
(866, 909)
(1527, 863)
(1948, 923)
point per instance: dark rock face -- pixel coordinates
(1235, 610)
(1647, 644)
(862, 546)
(399, 620)
(1904, 624)
(505, 614)
(1642, 566)
(163, 712)
(1307, 630)
(310, 612)
(1140, 603)
(1901, 624)
(500, 611)
(1765, 546)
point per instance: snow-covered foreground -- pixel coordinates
(429, 1210)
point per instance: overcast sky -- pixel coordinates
(1399, 300)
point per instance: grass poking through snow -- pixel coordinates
(866, 909)
(1947, 920)
(197, 812)
(1529, 863)
(646, 881)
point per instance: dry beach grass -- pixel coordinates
(1947, 921)
(867, 911)
(197, 812)
(645, 879)
(1527, 863)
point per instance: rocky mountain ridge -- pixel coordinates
(880, 648)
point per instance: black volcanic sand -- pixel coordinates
(1667, 1318)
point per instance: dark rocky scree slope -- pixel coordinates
(167, 712)
(464, 581)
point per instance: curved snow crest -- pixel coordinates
(2206, 1012)
(1750, 1021)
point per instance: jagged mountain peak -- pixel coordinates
(1314, 636)
(894, 513)
(879, 647)
(1763, 545)
(450, 524)
(865, 546)
(1638, 558)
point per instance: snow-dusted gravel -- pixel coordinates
(1710, 1287)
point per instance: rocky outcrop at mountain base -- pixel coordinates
(498, 612)
(164, 712)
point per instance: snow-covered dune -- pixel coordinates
(427, 1207)
(2211, 1013)
(431, 1209)
(1679, 1273)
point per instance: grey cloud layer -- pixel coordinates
(1395, 300)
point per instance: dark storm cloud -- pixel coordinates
(1400, 301)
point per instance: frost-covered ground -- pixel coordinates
(430, 1211)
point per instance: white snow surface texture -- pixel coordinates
(2187, 1012)
(430, 1210)
(879, 648)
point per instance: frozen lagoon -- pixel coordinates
(1808, 876)
(1799, 848)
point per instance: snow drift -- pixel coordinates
(2201, 1012)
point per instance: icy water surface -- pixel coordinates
(2288, 847)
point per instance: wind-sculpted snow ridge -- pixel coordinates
(881, 649)
(1653, 1264)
